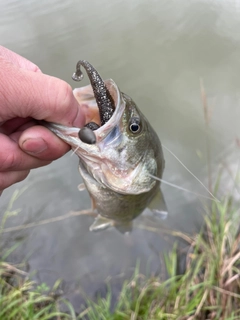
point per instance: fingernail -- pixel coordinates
(34, 146)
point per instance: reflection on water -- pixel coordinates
(156, 52)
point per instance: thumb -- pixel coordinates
(24, 93)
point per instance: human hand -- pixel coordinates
(27, 95)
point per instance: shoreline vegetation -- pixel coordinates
(209, 288)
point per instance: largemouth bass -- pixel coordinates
(119, 153)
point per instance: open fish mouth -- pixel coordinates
(106, 97)
(102, 104)
(86, 99)
(102, 95)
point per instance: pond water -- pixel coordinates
(157, 52)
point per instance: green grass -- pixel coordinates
(19, 300)
(208, 289)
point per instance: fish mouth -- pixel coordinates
(86, 100)
(88, 104)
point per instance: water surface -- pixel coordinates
(156, 52)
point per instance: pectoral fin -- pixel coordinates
(81, 187)
(101, 223)
(158, 205)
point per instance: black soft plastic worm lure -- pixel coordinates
(103, 98)
(102, 95)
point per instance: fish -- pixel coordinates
(119, 153)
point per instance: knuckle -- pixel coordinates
(60, 97)
(10, 161)
(64, 96)
(35, 68)
(22, 175)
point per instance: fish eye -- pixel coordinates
(135, 125)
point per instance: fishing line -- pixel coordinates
(183, 189)
(214, 198)
(74, 151)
